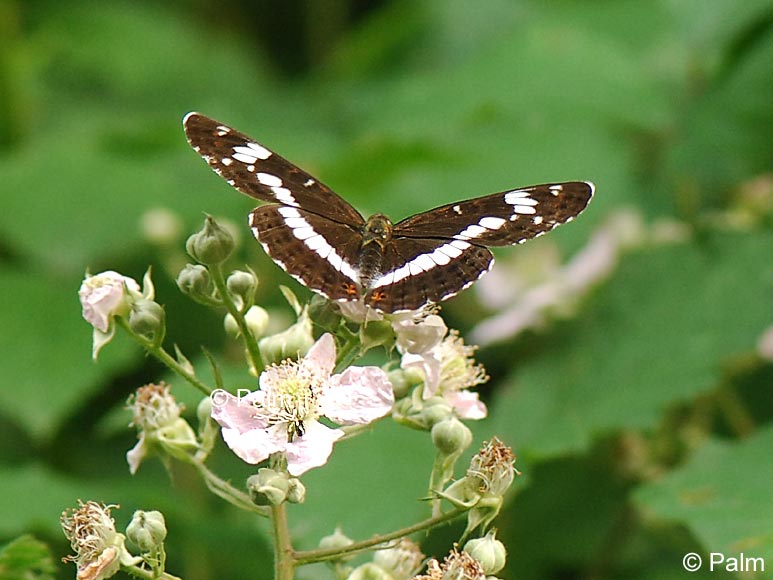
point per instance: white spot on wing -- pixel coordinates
(259, 151)
(457, 209)
(525, 209)
(268, 179)
(537, 220)
(226, 161)
(492, 223)
(244, 157)
(309, 183)
(284, 195)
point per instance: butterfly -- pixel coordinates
(328, 246)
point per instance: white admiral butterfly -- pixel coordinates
(323, 242)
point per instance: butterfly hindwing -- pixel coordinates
(417, 271)
(501, 219)
(292, 235)
(260, 173)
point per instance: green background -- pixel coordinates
(642, 421)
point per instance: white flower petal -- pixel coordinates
(255, 445)
(312, 449)
(322, 355)
(467, 404)
(238, 413)
(429, 364)
(102, 296)
(100, 339)
(359, 395)
(419, 337)
(136, 454)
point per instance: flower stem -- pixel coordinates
(253, 351)
(310, 556)
(170, 362)
(226, 491)
(284, 560)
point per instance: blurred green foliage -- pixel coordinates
(643, 425)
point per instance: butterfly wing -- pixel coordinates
(260, 173)
(501, 219)
(417, 271)
(290, 235)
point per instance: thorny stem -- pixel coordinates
(253, 351)
(168, 360)
(310, 556)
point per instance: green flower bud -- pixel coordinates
(269, 487)
(194, 281)
(370, 571)
(147, 530)
(297, 491)
(489, 551)
(147, 319)
(211, 245)
(336, 540)
(242, 286)
(451, 436)
(256, 318)
(436, 410)
(291, 343)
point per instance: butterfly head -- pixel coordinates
(377, 229)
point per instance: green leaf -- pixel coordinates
(657, 334)
(26, 558)
(722, 494)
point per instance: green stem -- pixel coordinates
(311, 556)
(284, 560)
(229, 493)
(253, 351)
(168, 360)
(349, 352)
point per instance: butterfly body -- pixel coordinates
(322, 241)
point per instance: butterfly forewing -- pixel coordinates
(501, 219)
(260, 173)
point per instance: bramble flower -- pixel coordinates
(99, 549)
(283, 415)
(105, 296)
(456, 566)
(156, 414)
(449, 371)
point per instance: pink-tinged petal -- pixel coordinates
(359, 395)
(255, 445)
(136, 454)
(312, 449)
(467, 404)
(238, 413)
(322, 355)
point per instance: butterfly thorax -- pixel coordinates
(376, 234)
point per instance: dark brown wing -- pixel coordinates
(501, 219)
(417, 271)
(320, 253)
(260, 173)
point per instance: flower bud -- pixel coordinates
(194, 281)
(147, 319)
(297, 491)
(336, 540)
(269, 487)
(211, 245)
(451, 436)
(147, 530)
(242, 286)
(291, 343)
(256, 318)
(402, 560)
(489, 551)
